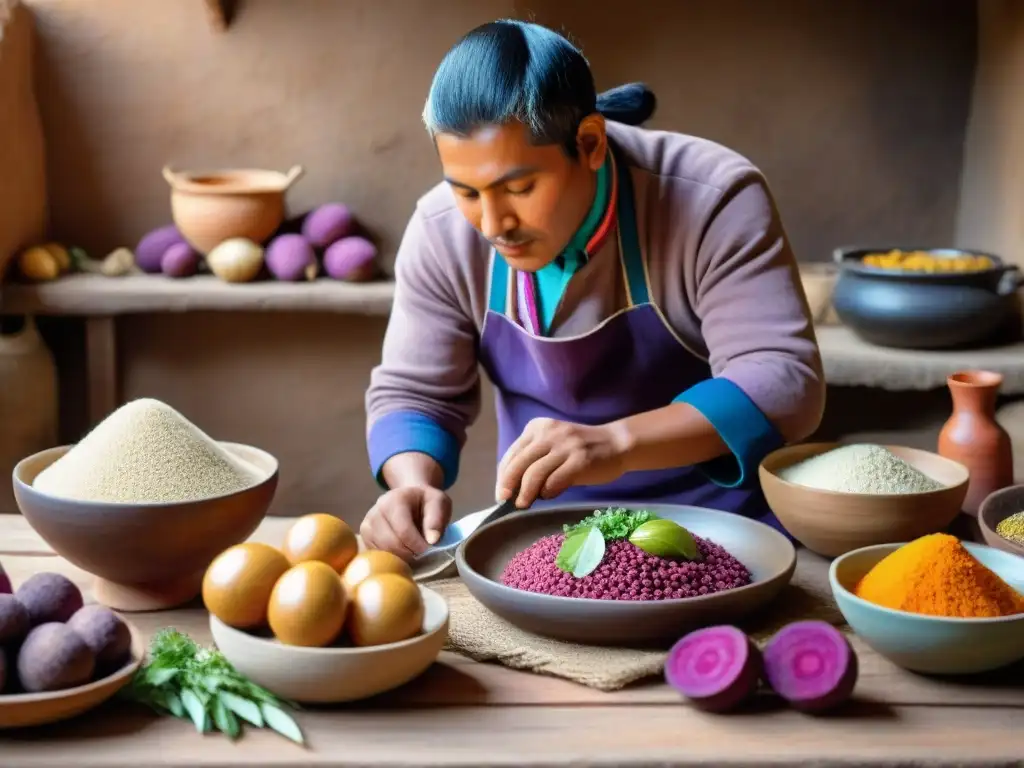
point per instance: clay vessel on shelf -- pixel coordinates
(973, 437)
(208, 207)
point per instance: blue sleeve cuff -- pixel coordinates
(742, 426)
(411, 431)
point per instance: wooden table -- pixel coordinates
(468, 714)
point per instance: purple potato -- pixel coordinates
(14, 620)
(106, 634)
(351, 258)
(49, 597)
(180, 261)
(328, 224)
(291, 258)
(53, 658)
(5, 582)
(149, 253)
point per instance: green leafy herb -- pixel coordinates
(569, 552)
(198, 684)
(665, 538)
(615, 523)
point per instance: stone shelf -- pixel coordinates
(91, 295)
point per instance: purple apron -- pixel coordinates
(631, 363)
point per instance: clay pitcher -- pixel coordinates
(973, 437)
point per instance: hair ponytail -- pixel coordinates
(630, 104)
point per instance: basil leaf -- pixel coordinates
(590, 554)
(159, 675)
(279, 720)
(244, 708)
(173, 703)
(665, 538)
(195, 710)
(569, 552)
(226, 722)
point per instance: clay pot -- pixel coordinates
(210, 207)
(973, 437)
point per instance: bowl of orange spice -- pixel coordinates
(925, 298)
(935, 605)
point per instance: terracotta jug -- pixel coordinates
(973, 437)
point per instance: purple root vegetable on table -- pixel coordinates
(180, 261)
(716, 668)
(327, 224)
(5, 583)
(352, 259)
(14, 621)
(291, 258)
(811, 665)
(149, 253)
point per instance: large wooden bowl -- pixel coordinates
(22, 710)
(145, 556)
(833, 524)
(767, 554)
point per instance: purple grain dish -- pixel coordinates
(180, 261)
(351, 258)
(149, 253)
(291, 258)
(626, 573)
(328, 224)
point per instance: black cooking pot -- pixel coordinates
(918, 310)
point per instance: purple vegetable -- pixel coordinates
(151, 249)
(328, 224)
(179, 261)
(811, 665)
(717, 668)
(5, 583)
(14, 621)
(351, 258)
(291, 258)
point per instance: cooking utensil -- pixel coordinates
(770, 557)
(459, 531)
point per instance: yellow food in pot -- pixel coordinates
(386, 608)
(371, 563)
(308, 605)
(238, 584)
(923, 261)
(321, 537)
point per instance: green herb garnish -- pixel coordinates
(193, 683)
(583, 547)
(615, 523)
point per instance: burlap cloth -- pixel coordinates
(478, 634)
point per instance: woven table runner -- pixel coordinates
(478, 634)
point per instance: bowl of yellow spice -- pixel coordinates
(926, 298)
(1001, 519)
(935, 605)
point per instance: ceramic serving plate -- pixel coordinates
(770, 557)
(23, 710)
(931, 644)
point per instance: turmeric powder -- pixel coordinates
(937, 576)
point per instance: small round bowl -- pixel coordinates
(832, 524)
(146, 557)
(335, 675)
(993, 510)
(931, 644)
(23, 710)
(768, 555)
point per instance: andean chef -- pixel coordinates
(630, 293)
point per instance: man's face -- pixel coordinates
(527, 200)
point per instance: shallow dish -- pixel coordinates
(23, 710)
(993, 510)
(145, 556)
(335, 675)
(832, 523)
(770, 557)
(931, 644)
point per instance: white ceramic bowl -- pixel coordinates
(335, 675)
(931, 644)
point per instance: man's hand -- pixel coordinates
(552, 456)
(407, 520)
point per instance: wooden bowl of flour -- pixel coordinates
(833, 523)
(148, 556)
